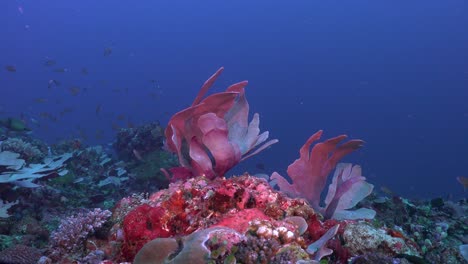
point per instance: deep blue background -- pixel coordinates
(393, 73)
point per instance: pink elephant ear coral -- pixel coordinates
(213, 134)
(318, 248)
(309, 173)
(225, 153)
(348, 187)
(245, 135)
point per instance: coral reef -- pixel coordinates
(16, 171)
(202, 216)
(70, 239)
(4, 206)
(241, 203)
(437, 226)
(135, 143)
(26, 150)
(20, 254)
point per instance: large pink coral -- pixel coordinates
(309, 174)
(213, 134)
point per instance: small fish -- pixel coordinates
(61, 70)
(82, 134)
(463, 181)
(15, 124)
(154, 83)
(66, 110)
(53, 83)
(84, 71)
(40, 100)
(107, 51)
(98, 109)
(386, 190)
(49, 62)
(44, 115)
(10, 68)
(20, 10)
(49, 116)
(115, 126)
(260, 166)
(34, 121)
(75, 90)
(99, 134)
(137, 155)
(153, 96)
(121, 117)
(81, 179)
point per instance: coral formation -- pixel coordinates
(309, 174)
(16, 171)
(202, 216)
(20, 254)
(27, 151)
(71, 236)
(141, 140)
(213, 134)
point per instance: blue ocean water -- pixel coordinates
(393, 73)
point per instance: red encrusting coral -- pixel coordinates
(141, 225)
(199, 203)
(240, 221)
(317, 228)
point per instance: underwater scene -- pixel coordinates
(226, 132)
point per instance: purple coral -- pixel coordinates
(20, 254)
(309, 174)
(73, 231)
(213, 134)
(348, 187)
(318, 248)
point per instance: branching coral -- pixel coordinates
(28, 152)
(72, 233)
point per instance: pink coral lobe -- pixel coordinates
(215, 138)
(213, 134)
(309, 173)
(207, 85)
